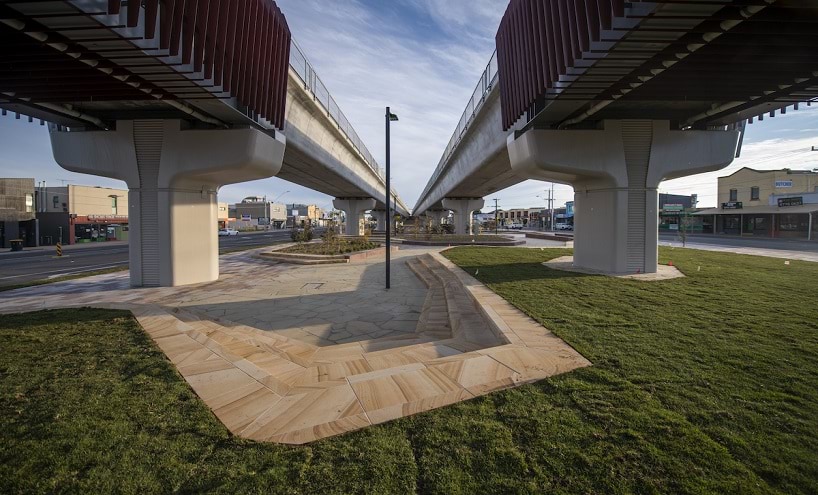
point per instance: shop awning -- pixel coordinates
(763, 210)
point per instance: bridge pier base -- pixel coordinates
(437, 216)
(354, 208)
(616, 173)
(173, 176)
(463, 209)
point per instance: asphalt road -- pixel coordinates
(694, 240)
(42, 263)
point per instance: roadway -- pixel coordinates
(42, 263)
(694, 240)
(774, 248)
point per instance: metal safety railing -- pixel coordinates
(478, 97)
(313, 84)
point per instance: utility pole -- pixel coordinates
(495, 215)
(552, 206)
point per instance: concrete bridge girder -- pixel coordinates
(616, 173)
(173, 176)
(319, 155)
(479, 165)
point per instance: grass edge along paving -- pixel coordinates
(89, 404)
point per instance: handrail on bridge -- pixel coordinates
(313, 83)
(478, 97)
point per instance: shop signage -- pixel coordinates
(673, 207)
(732, 205)
(791, 201)
(295, 213)
(101, 218)
(783, 183)
(245, 217)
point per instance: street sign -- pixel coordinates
(673, 207)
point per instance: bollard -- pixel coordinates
(59, 249)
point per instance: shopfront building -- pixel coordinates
(80, 214)
(17, 215)
(766, 203)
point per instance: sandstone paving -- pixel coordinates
(295, 353)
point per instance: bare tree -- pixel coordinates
(684, 228)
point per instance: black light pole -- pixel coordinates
(390, 117)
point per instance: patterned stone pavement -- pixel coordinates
(292, 354)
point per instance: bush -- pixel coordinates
(302, 235)
(331, 237)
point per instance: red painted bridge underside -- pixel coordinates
(240, 48)
(551, 51)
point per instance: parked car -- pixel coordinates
(223, 232)
(516, 226)
(563, 226)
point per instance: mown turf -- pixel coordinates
(707, 384)
(728, 355)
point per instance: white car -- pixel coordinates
(223, 232)
(563, 226)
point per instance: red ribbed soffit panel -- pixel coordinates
(538, 39)
(243, 45)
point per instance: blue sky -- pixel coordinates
(422, 58)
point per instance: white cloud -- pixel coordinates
(368, 63)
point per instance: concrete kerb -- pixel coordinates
(321, 259)
(446, 243)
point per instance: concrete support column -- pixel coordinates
(437, 216)
(173, 176)
(615, 172)
(354, 208)
(380, 218)
(463, 209)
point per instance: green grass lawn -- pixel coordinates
(707, 384)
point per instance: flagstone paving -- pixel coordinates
(291, 354)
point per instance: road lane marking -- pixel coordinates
(87, 268)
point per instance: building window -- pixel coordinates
(113, 204)
(29, 203)
(733, 194)
(56, 201)
(794, 222)
(754, 193)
